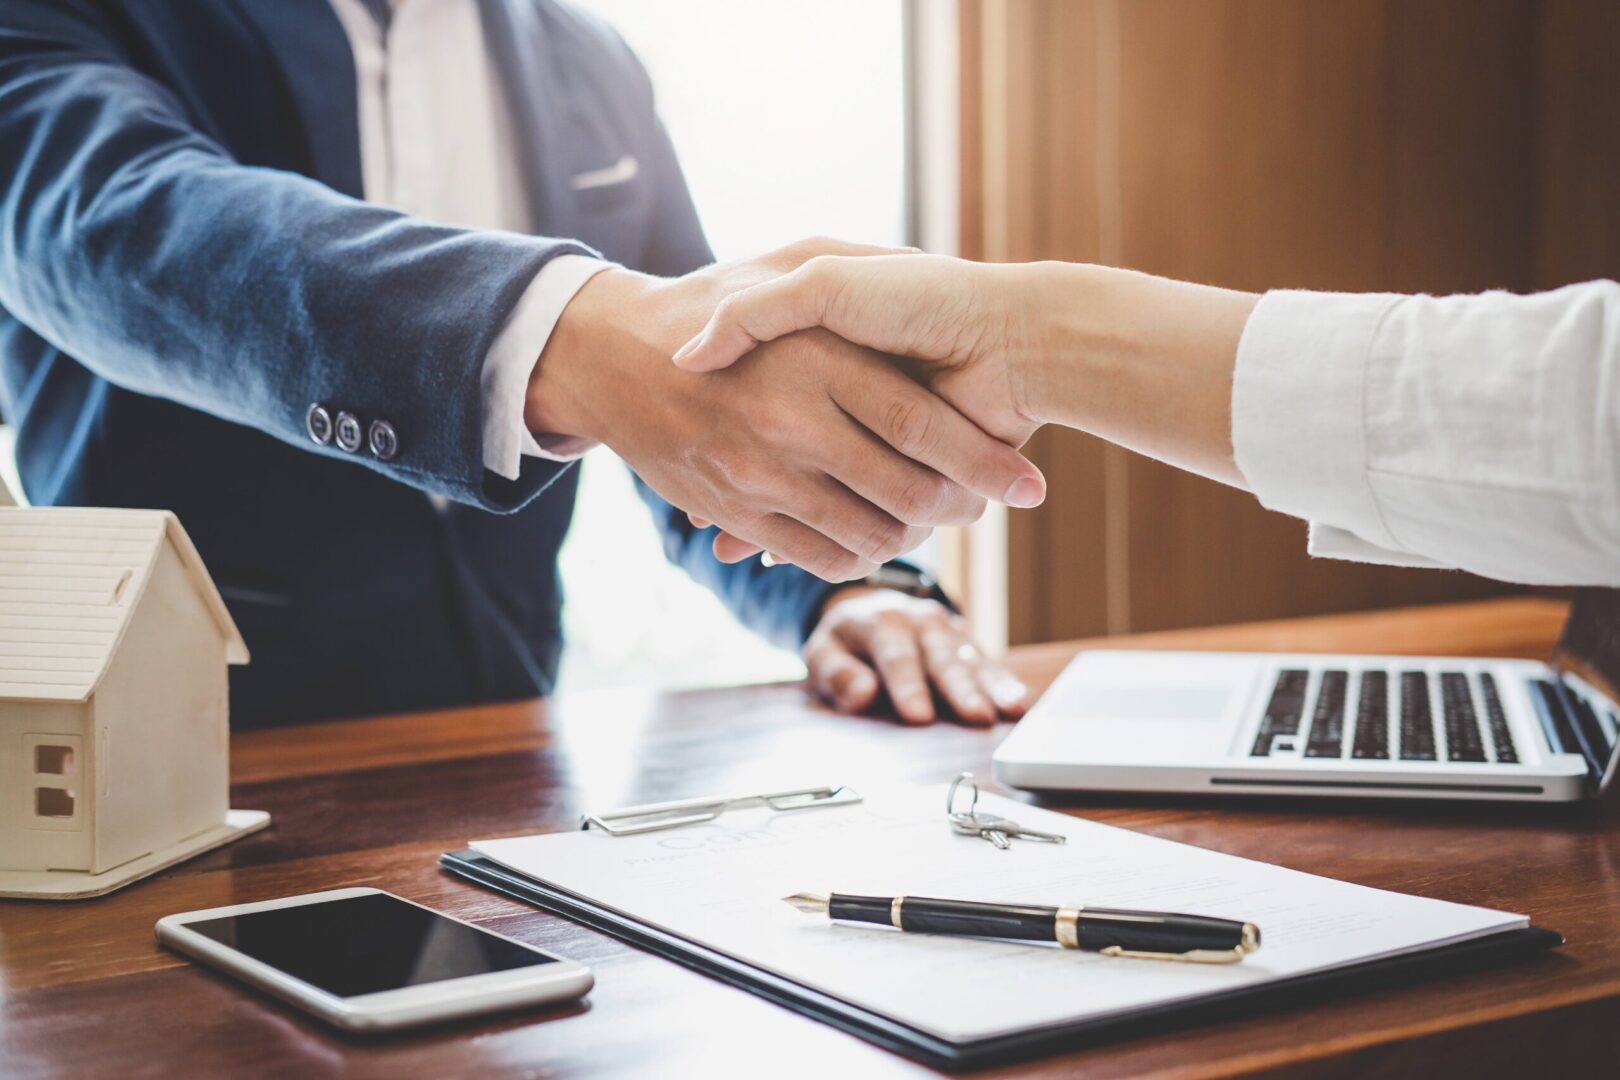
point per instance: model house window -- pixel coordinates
(789, 119)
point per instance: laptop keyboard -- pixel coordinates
(1284, 711)
(1417, 722)
(1372, 717)
(1327, 719)
(1382, 727)
(1497, 721)
(1462, 726)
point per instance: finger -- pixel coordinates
(838, 676)
(763, 312)
(803, 546)
(952, 661)
(925, 428)
(729, 549)
(697, 522)
(802, 251)
(839, 533)
(907, 491)
(892, 648)
(850, 521)
(1005, 689)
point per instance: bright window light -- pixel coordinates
(789, 119)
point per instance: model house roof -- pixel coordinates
(70, 579)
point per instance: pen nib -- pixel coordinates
(809, 903)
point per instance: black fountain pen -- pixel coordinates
(1148, 935)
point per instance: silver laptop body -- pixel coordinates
(1335, 725)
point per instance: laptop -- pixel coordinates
(1341, 725)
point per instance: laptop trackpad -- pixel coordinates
(1144, 707)
(1149, 702)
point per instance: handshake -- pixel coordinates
(834, 453)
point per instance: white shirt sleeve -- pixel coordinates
(1479, 433)
(511, 360)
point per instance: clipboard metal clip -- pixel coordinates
(631, 820)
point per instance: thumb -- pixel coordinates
(763, 312)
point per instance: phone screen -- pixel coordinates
(367, 944)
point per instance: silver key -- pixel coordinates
(999, 830)
(1017, 832)
(968, 823)
(971, 824)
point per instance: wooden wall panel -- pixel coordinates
(1037, 199)
(1577, 173)
(1359, 145)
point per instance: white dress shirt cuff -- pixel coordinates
(511, 361)
(1327, 542)
(1299, 416)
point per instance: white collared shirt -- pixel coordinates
(437, 140)
(1479, 433)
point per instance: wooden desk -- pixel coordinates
(85, 991)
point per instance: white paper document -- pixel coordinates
(721, 884)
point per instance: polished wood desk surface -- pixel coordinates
(84, 990)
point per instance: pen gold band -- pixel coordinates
(1067, 927)
(894, 911)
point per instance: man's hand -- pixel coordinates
(817, 450)
(872, 640)
(966, 324)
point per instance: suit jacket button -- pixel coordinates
(319, 423)
(384, 442)
(348, 432)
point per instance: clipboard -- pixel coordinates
(874, 1027)
(929, 1049)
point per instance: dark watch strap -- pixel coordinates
(903, 577)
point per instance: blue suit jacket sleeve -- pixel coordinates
(140, 247)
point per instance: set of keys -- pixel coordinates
(999, 830)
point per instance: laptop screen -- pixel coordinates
(1588, 659)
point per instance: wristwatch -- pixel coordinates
(905, 578)
(898, 576)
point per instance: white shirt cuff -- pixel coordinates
(1326, 542)
(1299, 416)
(511, 361)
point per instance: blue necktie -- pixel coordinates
(381, 11)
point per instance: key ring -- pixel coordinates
(971, 813)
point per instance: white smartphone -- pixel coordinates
(367, 960)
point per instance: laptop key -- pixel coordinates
(1563, 725)
(1496, 720)
(1463, 742)
(1417, 719)
(1594, 740)
(1283, 711)
(1327, 719)
(1371, 740)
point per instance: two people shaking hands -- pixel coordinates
(347, 284)
(1474, 432)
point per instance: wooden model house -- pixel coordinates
(114, 730)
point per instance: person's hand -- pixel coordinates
(958, 320)
(1144, 362)
(817, 450)
(962, 320)
(917, 651)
